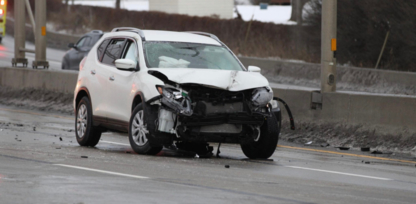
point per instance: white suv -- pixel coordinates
(164, 87)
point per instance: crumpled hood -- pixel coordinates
(221, 79)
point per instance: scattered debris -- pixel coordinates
(227, 166)
(367, 162)
(308, 143)
(324, 145)
(60, 138)
(58, 148)
(84, 157)
(376, 152)
(365, 149)
(128, 152)
(34, 128)
(343, 148)
(19, 125)
(70, 130)
(17, 140)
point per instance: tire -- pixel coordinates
(64, 65)
(266, 144)
(86, 133)
(138, 133)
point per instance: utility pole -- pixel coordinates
(329, 46)
(19, 33)
(40, 35)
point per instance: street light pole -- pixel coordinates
(19, 33)
(40, 35)
(329, 46)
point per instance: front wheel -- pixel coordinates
(264, 146)
(138, 133)
(86, 133)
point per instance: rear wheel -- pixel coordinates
(86, 133)
(264, 146)
(138, 133)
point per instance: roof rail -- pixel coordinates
(96, 31)
(206, 34)
(130, 29)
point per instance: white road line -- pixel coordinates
(102, 171)
(341, 173)
(114, 143)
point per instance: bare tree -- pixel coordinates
(118, 4)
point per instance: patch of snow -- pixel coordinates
(273, 14)
(134, 5)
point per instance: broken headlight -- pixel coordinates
(177, 100)
(261, 96)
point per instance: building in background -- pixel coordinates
(222, 8)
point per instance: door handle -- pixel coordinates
(112, 78)
(93, 72)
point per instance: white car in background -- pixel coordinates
(174, 88)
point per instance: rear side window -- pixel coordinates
(100, 50)
(113, 51)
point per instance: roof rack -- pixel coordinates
(206, 34)
(130, 29)
(96, 31)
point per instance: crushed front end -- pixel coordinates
(196, 113)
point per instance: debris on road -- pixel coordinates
(343, 148)
(365, 149)
(60, 138)
(34, 128)
(85, 157)
(227, 166)
(308, 143)
(376, 152)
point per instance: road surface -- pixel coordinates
(40, 162)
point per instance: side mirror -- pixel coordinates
(126, 64)
(254, 69)
(72, 45)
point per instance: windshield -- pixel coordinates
(189, 55)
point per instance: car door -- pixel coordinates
(98, 82)
(78, 52)
(102, 73)
(121, 86)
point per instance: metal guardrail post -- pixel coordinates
(20, 34)
(328, 46)
(40, 35)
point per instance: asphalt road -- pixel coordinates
(40, 162)
(54, 56)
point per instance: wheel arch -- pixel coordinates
(138, 98)
(81, 93)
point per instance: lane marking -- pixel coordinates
(34, 113)
(109, 142)
(102, 171)
(341, 173)
(347, 154)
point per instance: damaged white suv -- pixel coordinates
(181, 88)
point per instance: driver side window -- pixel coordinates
(130, 51)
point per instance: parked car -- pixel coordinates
(78, 51)
(174, 88)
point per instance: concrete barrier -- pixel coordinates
(22, 78)
(348, 78)
(388, 114)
